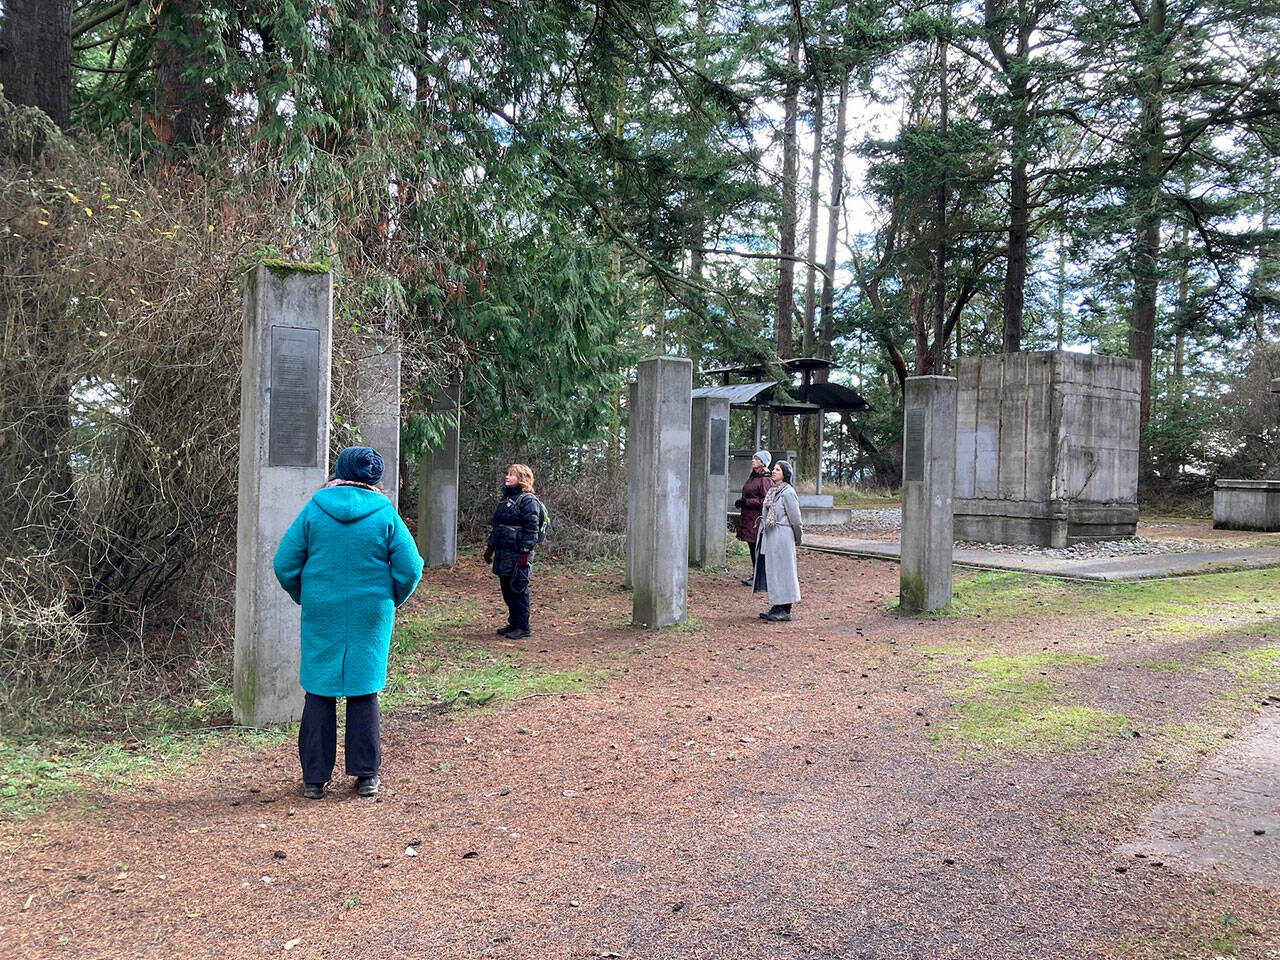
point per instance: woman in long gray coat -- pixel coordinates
(780, 533)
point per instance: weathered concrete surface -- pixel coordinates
(1226, 821)
(1046, 448)
(1247, 505)
(438, 485)
(284, 444)
(658, 450)
(928, 479)
(377, 413)
(1144, 567)
(708, 492)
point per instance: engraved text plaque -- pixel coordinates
(913, 445)
(295, 397)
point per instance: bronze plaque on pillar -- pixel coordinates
(295, 397)
(913, 444)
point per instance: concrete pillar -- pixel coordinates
(629, 579)
(708, 494)
(438, 485)
(377, 413)
(658, 453)
(928, 481)
(284, 455)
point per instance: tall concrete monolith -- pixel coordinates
(438, 484)
(377, 413)
(928, 482)
(284, 455)
(658, 453)
(708, 468)
(629, 579)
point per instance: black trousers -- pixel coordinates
(318, 737)
(517, 602)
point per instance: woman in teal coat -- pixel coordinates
(349, 560)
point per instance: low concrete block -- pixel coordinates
(1247, 505)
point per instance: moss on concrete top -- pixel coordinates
(296, 265)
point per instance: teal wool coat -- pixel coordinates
(349, 560)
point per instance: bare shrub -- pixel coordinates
(586, 498)
(120, 344)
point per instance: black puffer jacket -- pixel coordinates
(515, 530)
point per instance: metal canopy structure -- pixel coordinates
(807, 399)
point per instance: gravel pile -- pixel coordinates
(1129, 547)
(890, 519)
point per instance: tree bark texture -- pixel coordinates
(1146, 253)
(35, 56)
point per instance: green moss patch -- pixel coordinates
(433, 665)
(1012, 703)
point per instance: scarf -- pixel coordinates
(770, 504)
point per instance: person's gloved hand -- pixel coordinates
(488, 554)
(740, 502)
(522, 560)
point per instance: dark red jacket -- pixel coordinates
(753, 492)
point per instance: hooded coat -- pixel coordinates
(349, 560)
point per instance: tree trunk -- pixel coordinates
(932, 359)
(784, 307)
(815, 200)
(785, 304)
(35, 56)
(185, 116)
(1016, 69)
(1146, 253)
(826, 331)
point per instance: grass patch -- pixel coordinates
(860, 499)
(36, 773)
(1177, 606)
(1254, 671)
(1011, 704)
(431, 663)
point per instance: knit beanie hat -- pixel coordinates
(786, 470)
(764, 457)
(360, 464)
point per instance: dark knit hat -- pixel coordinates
(785, 466)
(360, 464)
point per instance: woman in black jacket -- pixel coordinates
(510, 546)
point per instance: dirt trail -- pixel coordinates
(739, 789)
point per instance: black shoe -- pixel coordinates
(313, 791)
(368, 786)
(502, 631)
(765, 614)
(777, 616)
(749, 581)
(518, 633)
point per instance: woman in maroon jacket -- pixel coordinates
(751, 503)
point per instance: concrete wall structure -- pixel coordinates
(708, 493)
(1247, 505)
(1046, 448)
(928, 478)
(284, 451)
(377, 413)
(438, 485)
(658, 450)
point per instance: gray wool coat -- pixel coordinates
(780, 534)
